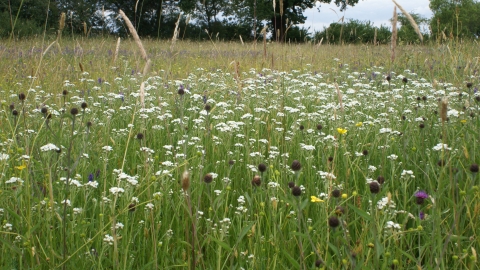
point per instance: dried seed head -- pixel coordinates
(333, 221)
(262, 167)
(44, 110)
(330, 159)
(208, 107)
(231, 162)
(64, 92)
(302, 127)
(474, 168)
(15, 112)
(74, 111)
(256, 181)
(336, 193)
(84, 105)
(381, 179)
(291, 184)
(185, 180)
(469, 85)
(365, 152)
(404, 80)
(444, 109)
(22, 96)
(374, 187)
(296, 191)
(208, 178)
(296, 166)
(318, 263)
(389, 78)
(140, 136)
(319, 127)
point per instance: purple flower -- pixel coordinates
(90, 177)
(422, 215)
(421, 196)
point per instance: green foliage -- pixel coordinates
(455, 19)
(407, 33)
(354, 32)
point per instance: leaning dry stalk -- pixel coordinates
(61, 25)
(175, 32)
(444, 109)
(134, 34)
(116, 51)
(410, 19)
(339, 95)
(147, 67)
(394, 33)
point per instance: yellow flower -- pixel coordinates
(21, 167)
(359, 124)
(463, 121)
(315, 199)
(341, 130)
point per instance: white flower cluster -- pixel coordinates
(407, 174)
(384, 202)
(116, 190)
(240, 208)
(108, 239)
(441, 146)
(392, 225)
(14, 180)
(49, 147)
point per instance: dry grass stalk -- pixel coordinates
(117, 48)
(61, 25)
(281, 8)
(264, 33)
(241, 40)
(81, 67)
(134, 34)
(394, 33)
(176, 32)
(444, 109)
(320, 42)
(410, 19)
(340, 97)
(142, 95)
(85, 28)
(147, 67)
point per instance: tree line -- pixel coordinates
(225, 20)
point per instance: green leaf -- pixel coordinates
(294, 263)
(243, 232)
(360, 212)
(221, 243)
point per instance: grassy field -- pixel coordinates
(238, 156)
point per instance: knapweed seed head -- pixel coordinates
(22, 96)
(74, 111)
(374, 187)
(336, 193)
(388, 78)
(302, 127)
(319, 127)
(84, 105)
(365, 152)
(333, 221)
(469, 85)
(296, 191)
(474, 168)
(381, 179)
(208, 178)
(231, 162)
(256, 181)
(140, 136)
(291, 184)
(64, 92)
(208, 107)
(318, 263)
(339, 210)
(262, 167)
(404, 80)
(296, 166)
(44, 110)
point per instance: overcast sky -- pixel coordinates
(377, 11)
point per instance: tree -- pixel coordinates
(407, 33)
(33, 17)
(276, 13)
(455, 18)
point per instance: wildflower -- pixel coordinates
(8, 226)
(21, 167)
(441, 146)
(108, 239)
(359, 124)
(256, 182)
(315, 199)
(14, 180)
(116, 190)
(291, 184)
(336, 193)
(4, 156)
(107, 148)
(381, 179)
(421, 196)
(49, 147)
(374, 187)
(341, 131)
(149, 206)
(392, 225)
(262, 167)
(208, 178)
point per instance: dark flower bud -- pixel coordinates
(441, 163)
(84, 105)
(181, 91)
(333, 221)
(381, 179)
(208, 178)
(469, 85)
(231, 162)
(15, 112)
(422, 125)
(291, 184)
(302, 127)
(419, 98)
(296, 166)
(318, 263)
(140, 136)
(296, 191)
(65, 92)
(388, 78)
(319, 127)
(11, 107)
(44, 110)
(336, 193)
(424, 98)
(73, 111)
(330, 159)
(474, 168)
(365, 152)
(374, 187)
(208, 107)
(131, 207)
(89, 124)
(404, 80)
(262, 167)
(22, 96)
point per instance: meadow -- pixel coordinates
(225, 155)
